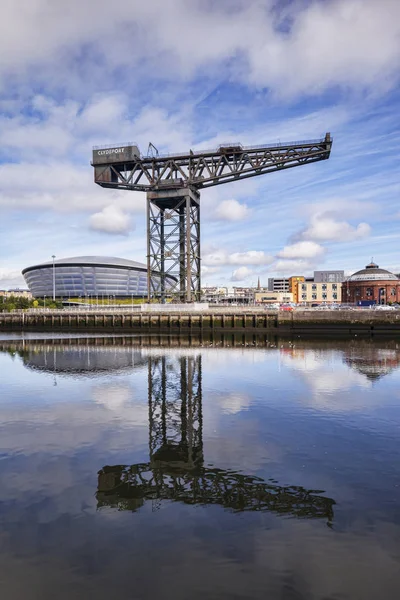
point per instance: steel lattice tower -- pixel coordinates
(173, 242)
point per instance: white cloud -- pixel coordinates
(309, 59)
(251, 257)
(215, 258)
(241, 273)
(59, 186)
(323, 227)
(306, 249)
(6, 274)
(248, 44)
(231, 210)
(111, 220)
(10, 278)
(104, 114)
(325, 224)
(291, 267)
(345, 207)
(45, 153)
(209, 270)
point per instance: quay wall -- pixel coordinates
(241, 320)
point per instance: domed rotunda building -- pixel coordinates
(371, 284)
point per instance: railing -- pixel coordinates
(227, 144)
(138, 309)
(213, 150)
(119, 145)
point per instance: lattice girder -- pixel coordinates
(210, 168)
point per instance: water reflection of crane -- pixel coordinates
(176, 470)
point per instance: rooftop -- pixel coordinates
(111, 261)
(373, 272)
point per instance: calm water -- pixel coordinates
(212, 472)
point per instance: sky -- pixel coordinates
(193, 74)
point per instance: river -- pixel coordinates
(227, 468)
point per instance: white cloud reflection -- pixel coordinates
(332, 384)
(235, 403)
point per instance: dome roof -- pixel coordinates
(372, 272)
(104, 261)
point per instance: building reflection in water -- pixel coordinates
(77, 358)
(176, 471)
(373, 363)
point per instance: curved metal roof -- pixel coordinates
(372, 272)
(107, 261)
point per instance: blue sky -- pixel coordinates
(191, 74)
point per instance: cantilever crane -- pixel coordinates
(172, 184)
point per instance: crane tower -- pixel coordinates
(173, 184)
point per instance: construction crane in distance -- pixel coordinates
(173, 184)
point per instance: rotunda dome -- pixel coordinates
(372, 272)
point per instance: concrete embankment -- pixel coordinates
(321, 322)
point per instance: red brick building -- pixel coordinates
(371, 283)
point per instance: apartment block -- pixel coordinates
(312, 291)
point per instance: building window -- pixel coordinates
(314, 287)
(357, 291)
(393, 291)
(324, 287)
(304, 287)
(334, 295)
(369, 292)
(304, 296)
(324, 296)
(334, 287)
(314, 296)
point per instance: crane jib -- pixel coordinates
(125, 168)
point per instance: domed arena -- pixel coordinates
(371, 284)
(89, 276)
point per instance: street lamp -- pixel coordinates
(54, 278)
(44, 301)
